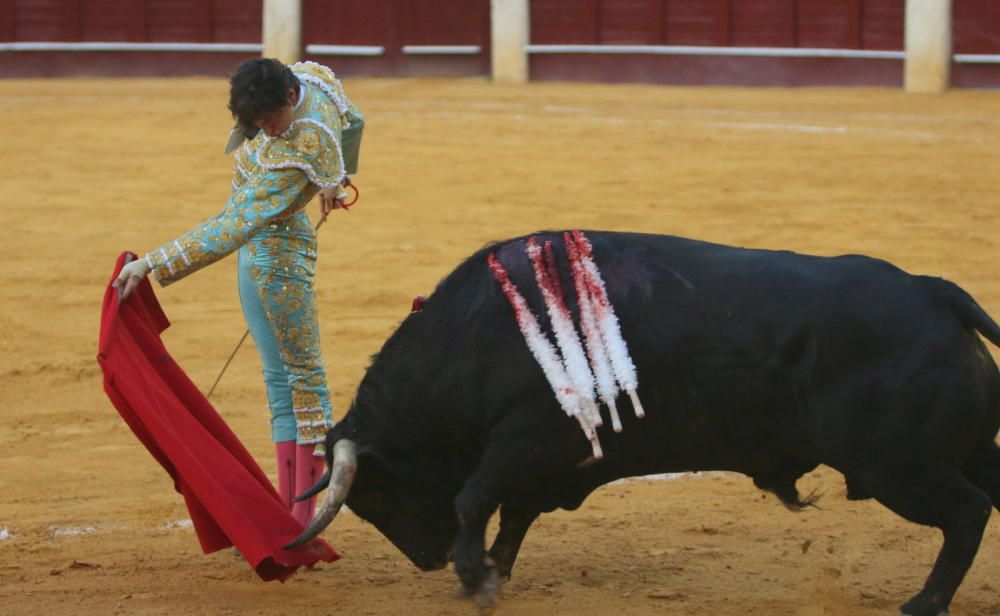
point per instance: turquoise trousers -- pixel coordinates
(276, 273)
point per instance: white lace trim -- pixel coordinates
(311, 409)
(327, 129)
(316, 81)
(242, 171)
(335, 98)
(310, 424)
(166, 261)
(149, 264)
(184, 256)
(309, 171)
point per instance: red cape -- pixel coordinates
(230, 500)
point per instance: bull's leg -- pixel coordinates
(515, 520)
(474, 506)
(944, 499)
(983, 471)
(503, 465)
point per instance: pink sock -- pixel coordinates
(285, 452)
(308, 470)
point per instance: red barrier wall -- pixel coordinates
(396, 26)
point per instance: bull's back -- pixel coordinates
(825, 355)
(740, 352)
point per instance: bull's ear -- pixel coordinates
(371, 453)
(373, 469)
(340, 430)
(328, 442)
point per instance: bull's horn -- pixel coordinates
(345, 465)
(316, 488)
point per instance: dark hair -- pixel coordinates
(257, 87)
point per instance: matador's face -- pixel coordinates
(277, 122)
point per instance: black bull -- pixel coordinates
(758, 362)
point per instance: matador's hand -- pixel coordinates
(129, 278)
(331, 198)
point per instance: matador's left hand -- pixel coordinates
(331, 198)
(129, 278)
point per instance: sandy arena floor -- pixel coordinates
(89, 524)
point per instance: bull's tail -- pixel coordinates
(970, 312)
(973, 315)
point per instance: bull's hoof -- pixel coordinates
(920, 606)
(486, 590)
(489, 590)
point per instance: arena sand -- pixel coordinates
(89, 524)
